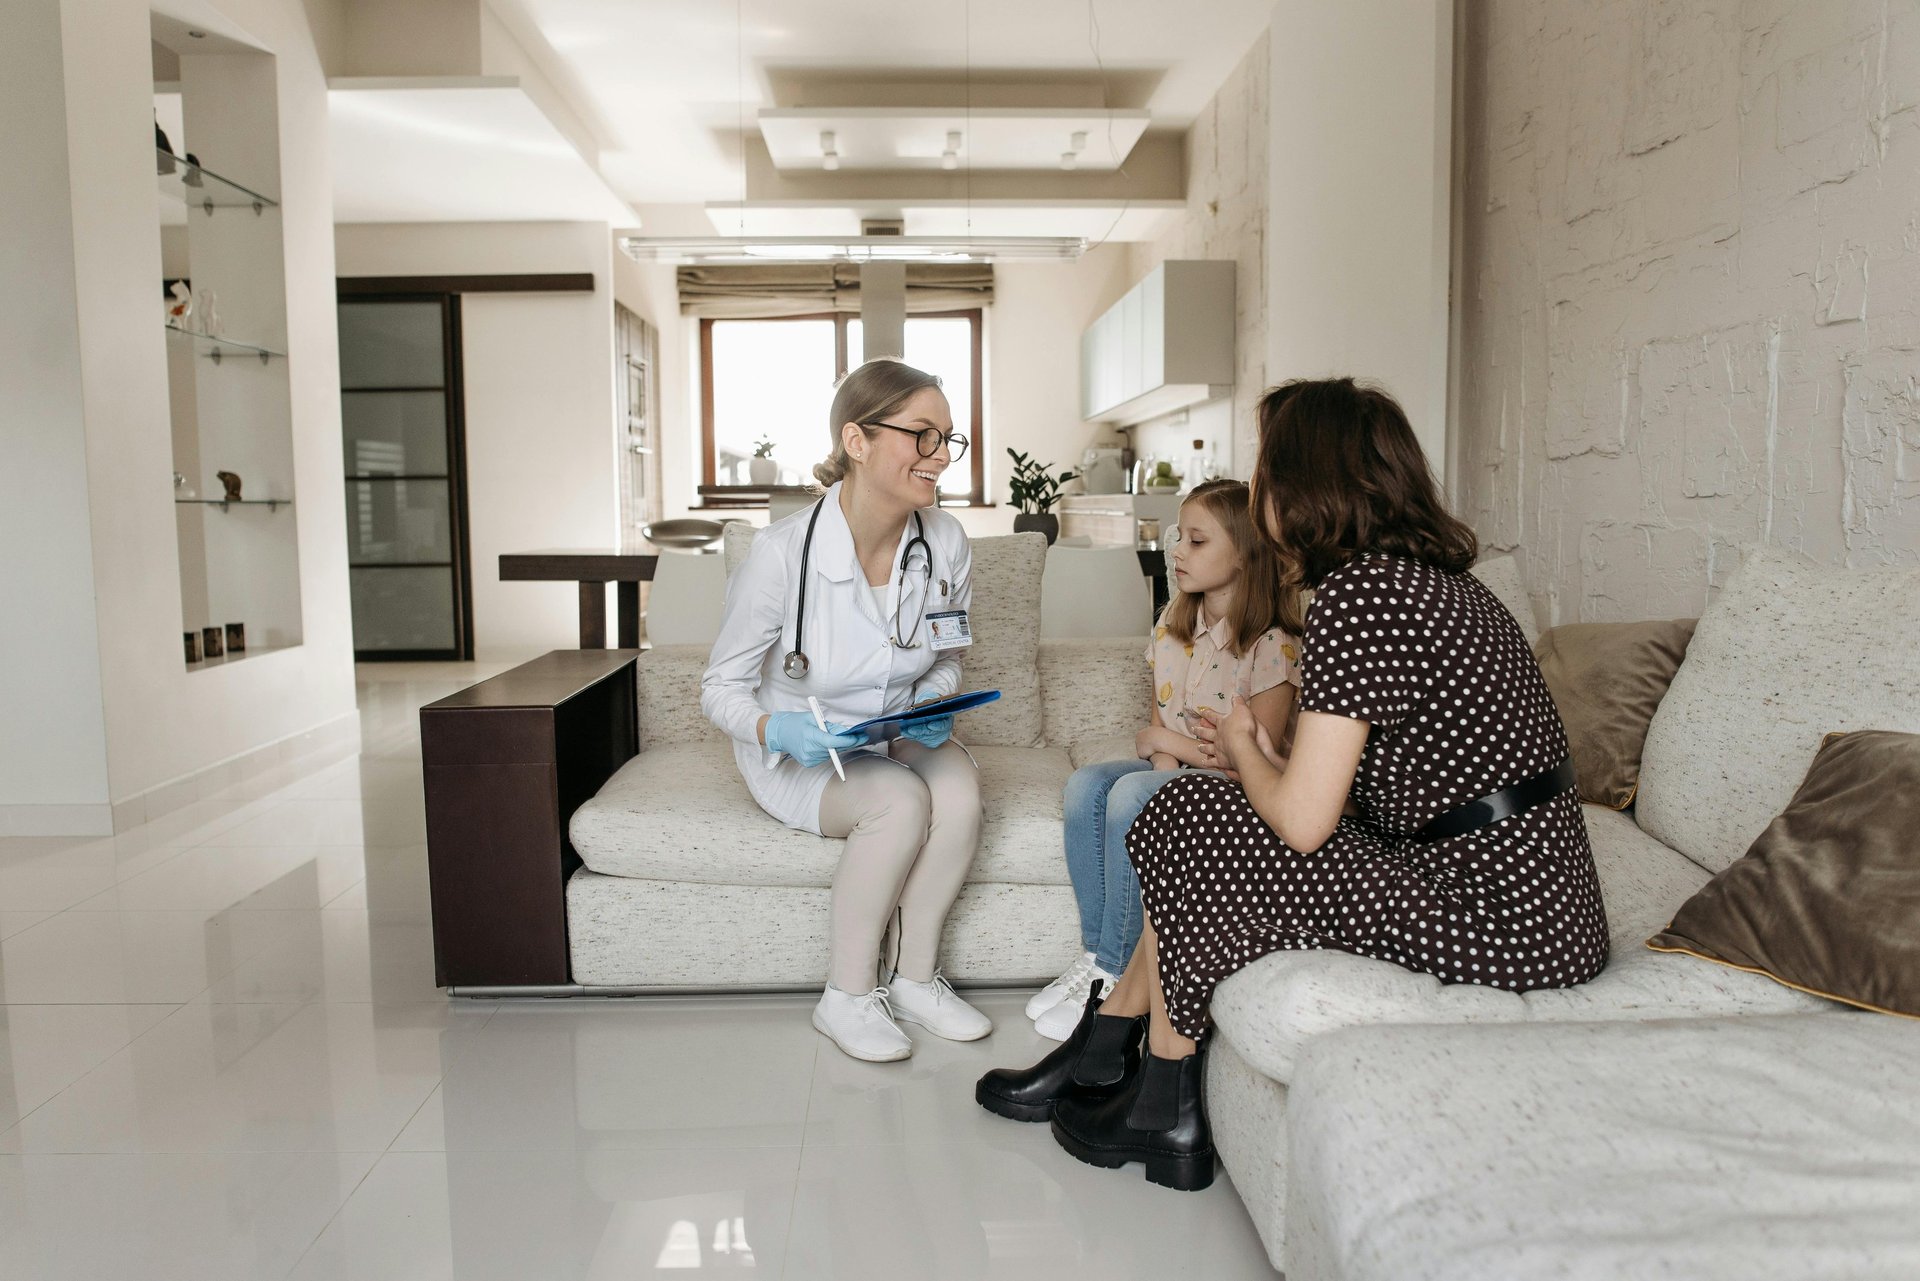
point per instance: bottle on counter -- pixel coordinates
(1199, 465)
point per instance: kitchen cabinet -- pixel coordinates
(1167, 344)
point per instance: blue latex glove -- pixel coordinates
(795, 734)
(929, 733)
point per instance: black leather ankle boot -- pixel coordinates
(1100, 1057)
(1159, 1119)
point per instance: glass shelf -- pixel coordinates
(217, 346)
(224, 503)
(197, 186)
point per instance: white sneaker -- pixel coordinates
(1075, 979)
(861, 1025)
(1058, 1022)
(1069, 991)
(935, 1006)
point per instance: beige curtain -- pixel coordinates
(791, 289)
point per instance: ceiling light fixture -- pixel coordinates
(950, 158)
(762, 249)
(1076, 143)
(829, 154)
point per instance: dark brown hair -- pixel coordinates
(872, 391)
(1340, 474)
(1260, 600)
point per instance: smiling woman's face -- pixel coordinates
(888, 462)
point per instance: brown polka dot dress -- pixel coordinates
(1458, 709)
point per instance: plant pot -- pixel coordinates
(1042, 522)
(762, 471)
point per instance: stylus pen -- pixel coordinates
(821, 721)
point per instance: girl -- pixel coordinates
(1229, 631)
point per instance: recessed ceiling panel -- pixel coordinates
(1000, 138)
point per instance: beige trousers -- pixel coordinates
(911, 824)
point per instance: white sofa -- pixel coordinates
(1787, 653)
(688, 884)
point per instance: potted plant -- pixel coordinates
(1034, 491)
(761, 469)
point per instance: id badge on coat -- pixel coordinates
(949, 629)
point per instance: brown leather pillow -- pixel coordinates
(1607, 679)
(1828, 899)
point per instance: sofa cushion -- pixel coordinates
(1607, 680)
(1095, 689)
(685, 815)
(1788, 652)
(1719, 1150)
(667, 678)
(1005, 620)
(1271, 1009)
(1501, 576)
(1828, 899)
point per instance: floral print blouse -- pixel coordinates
(1203, 676)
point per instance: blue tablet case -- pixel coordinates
(882, 728)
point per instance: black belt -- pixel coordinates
(1505, 803)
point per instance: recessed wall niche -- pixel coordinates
(220, 294)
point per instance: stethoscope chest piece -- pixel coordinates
(796, 666)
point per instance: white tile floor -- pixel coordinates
(222, 1056)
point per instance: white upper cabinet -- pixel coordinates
(1166, 345)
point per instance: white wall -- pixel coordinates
(53, 748)
(541, 450)
(160, 722)
(1691, 292)
(1357, 243)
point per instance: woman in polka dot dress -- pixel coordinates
(1419, 697)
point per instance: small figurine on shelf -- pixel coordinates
(208, 311)
(179, 303)
(164, 160)
(232, 482)
(191, 177)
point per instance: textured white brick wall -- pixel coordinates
(1689, 303)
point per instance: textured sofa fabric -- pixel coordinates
(626, 932)
(1789, 652)
(1719, 1150)
(1275, 1007)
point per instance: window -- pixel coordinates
(773, 379)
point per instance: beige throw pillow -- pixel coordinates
(1607, 679)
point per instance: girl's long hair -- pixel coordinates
(1341, 474)
(1260, 600)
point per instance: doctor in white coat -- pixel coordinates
(860, 601)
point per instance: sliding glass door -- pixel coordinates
(400, 413)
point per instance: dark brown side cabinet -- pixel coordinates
(507, 762)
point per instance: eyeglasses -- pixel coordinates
(929, 439)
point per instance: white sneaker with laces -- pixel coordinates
(935, 1006)
(861, 1025)
(1074, 980)
(1057, 1023)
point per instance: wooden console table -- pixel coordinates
(593, 568)
(507, 762)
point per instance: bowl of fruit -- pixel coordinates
(1161, 478)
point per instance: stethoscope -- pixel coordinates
(796, 665)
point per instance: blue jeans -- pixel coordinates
(1101, 803)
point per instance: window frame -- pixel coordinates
(712, 494)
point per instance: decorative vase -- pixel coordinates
(762, 471)
(1042, 522)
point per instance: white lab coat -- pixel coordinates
(856, 672)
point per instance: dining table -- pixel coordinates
(626, 567)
